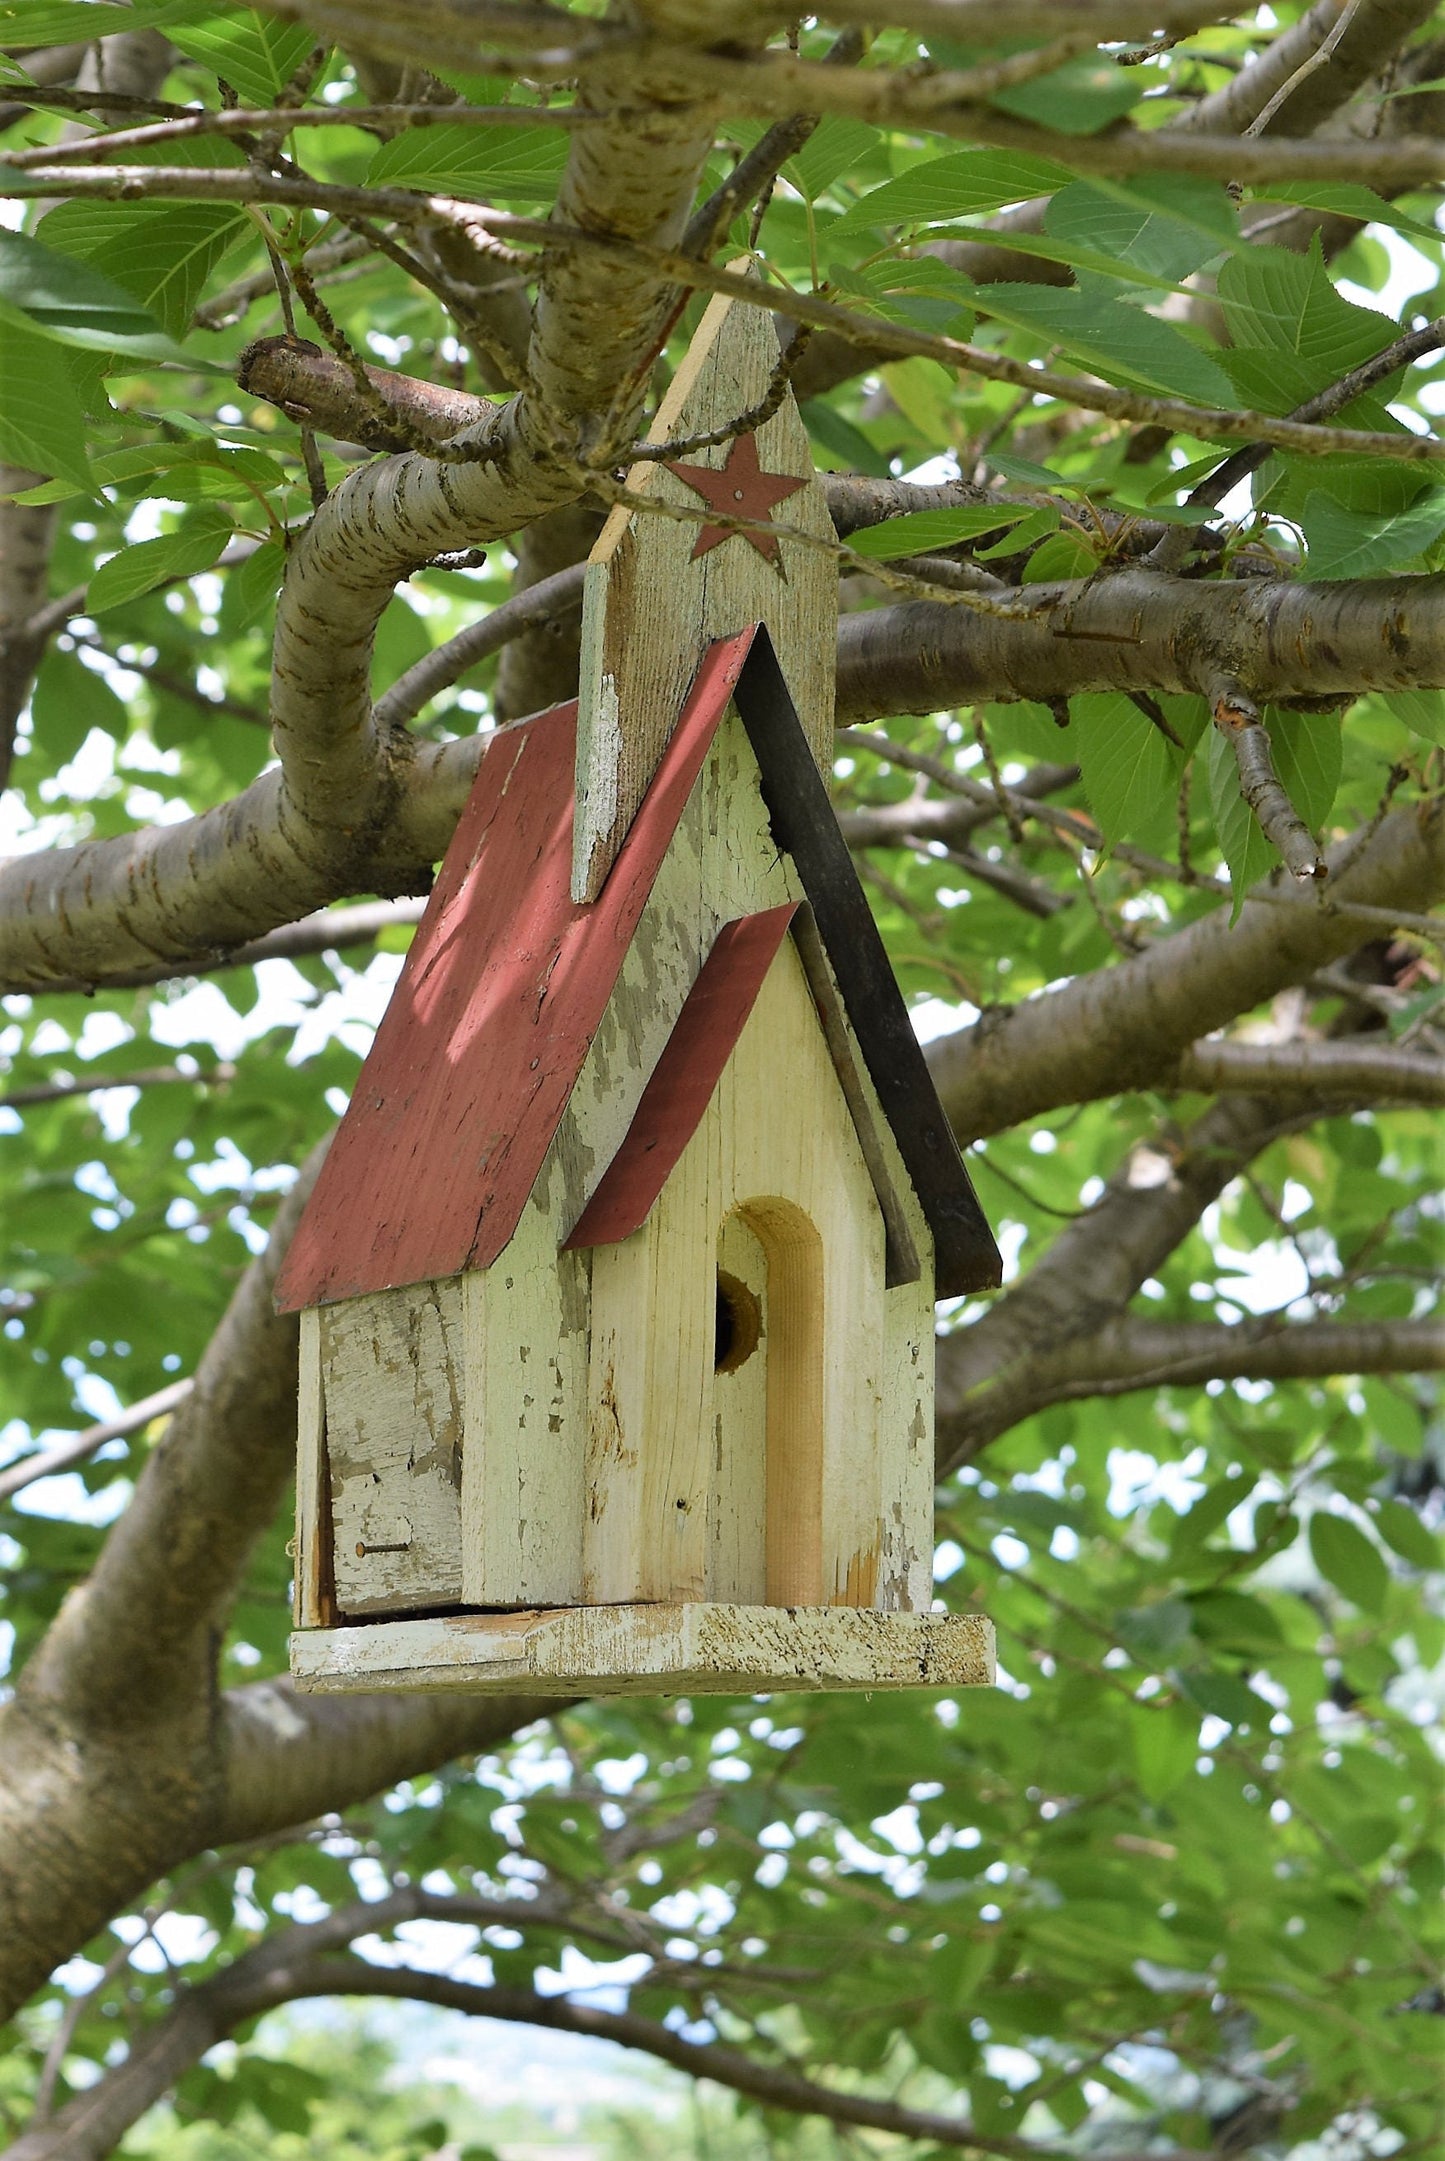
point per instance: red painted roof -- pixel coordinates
(502, 992)
(685, 1076)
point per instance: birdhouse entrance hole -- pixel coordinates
(738, 1326)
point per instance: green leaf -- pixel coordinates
(1079, 98)
(71, 699)
(42, 423)
(255, 54)
(1028, 474)
(921, 532)
(501, 164)
(25, 24)
(1224, 1695)
(918, 290)
(1349, 1560)
(1166, 1746)
(1348, 199)
(1118, 341)
(254, 584)
(1065, 555)
(192, 548)
(1129, 768)
(1353, 544)
(73, 302)
(961, 185)
(835, 143)
(162, 253)
(1038, 523)
(846, 443)
(1285, 303)
(1400, 1527)
(1423, 711)
(1172, 225)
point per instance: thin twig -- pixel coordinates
(1318, 58)
(183, 124)
(1177, 540)
(66, 1454)
(148, 1077)
(748, 423)
(1237, 719)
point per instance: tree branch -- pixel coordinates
(1285, 90)
(303, 1961)
(320, 827)
(1129, 1354)
(1127, 1027)
(64, 1456)
(1365, 1069)
(138, 1632)
(1097, 1262)
(283, 1758)
(1134, 630)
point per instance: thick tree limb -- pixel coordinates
(541, 656)
(108, 1743)
(137, 1634)
(1284, 69)
(774, 84)
(319, 827)
(282, 1758)
(151, 904)
(26, 533)
(1127, 1026)
(1136, 631)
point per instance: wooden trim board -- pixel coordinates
(655, 1650)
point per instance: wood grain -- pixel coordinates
(649, 609)
(693, 1649)
(394, 1377)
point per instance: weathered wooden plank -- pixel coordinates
(313, 1603)
(803, 1186)
(649, 609)
(648, 1650)
(393, 1372)
(650, 1495)
(738, 1567)
(523, 1467)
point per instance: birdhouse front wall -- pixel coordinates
(738, 1437)
(585, 1383)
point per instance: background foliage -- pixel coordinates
(1176, 1884)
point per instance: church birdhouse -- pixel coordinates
(617, 1285)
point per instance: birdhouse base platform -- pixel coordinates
(651, 1650)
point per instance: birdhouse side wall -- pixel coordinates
(382, 1395)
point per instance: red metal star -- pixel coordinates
(740, 489)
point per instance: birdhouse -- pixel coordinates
(617, 1285)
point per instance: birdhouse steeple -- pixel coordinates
(657, 592)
